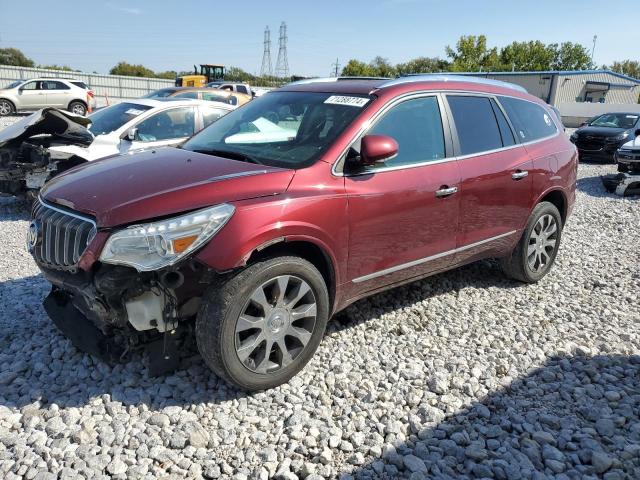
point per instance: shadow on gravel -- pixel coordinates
(593, 186)
(575, 417)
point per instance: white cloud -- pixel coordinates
(125, 9)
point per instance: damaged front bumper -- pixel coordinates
(623, 184)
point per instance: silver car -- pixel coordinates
(37, 93)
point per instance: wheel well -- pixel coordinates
(77, 101)
(7, 100)
(307, 250)
(556, 197)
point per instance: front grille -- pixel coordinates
(57, 238)
(590, 143)
(629, 154)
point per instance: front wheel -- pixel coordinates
(260, 327)
(6, 107)
(536, 251)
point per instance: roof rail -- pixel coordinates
(334, 79)
(451, 77)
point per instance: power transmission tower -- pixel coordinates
(335, 68)
(265, 70)
(282, 65)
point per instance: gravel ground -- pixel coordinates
(463, 375)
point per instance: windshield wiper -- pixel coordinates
(229, 154)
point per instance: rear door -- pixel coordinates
(57, 93)
(400, 224)
(495, 188)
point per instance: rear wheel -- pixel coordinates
(536, 251)
(78, 108)
(6, 107)
(262, 326)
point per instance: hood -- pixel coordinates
(132, 188)
(633, 144)
(61, 125)
(600, 131)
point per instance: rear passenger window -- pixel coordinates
(417, 127)
(476, 124)
(531, 121)
(505, 130)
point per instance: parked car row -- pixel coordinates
(611, 137)
(260, 227)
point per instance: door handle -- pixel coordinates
(520, 174)
(446, 191)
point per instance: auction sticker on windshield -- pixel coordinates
(349, 101)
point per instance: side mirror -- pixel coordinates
(377, 148)
(132, 134)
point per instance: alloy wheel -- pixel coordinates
(78, 109)
(276, 324)
(5, 108)
(542, 243)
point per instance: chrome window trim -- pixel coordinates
(420, 261)
(438, 93)
(66, 212)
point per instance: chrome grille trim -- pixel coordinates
(64, 236)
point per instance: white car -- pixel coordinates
(141, 124)
(37, 93)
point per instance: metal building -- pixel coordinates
(577, 94)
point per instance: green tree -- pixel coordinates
(527, 56)
(570, 56)
(169, 74)
(13, 56)
(356, 68)
(382, 68)
(627, 67)
(64, 68)
(236, 74)
(423, 65)
(472, 55)
(129, 70)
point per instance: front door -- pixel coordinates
(31, 96)
(165, 128)
(496, 173)
(403, 213)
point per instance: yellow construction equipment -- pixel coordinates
(208, 73)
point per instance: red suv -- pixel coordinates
(258, 229)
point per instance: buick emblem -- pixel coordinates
(33, 236)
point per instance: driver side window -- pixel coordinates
(30, 86)
(417, 127)
(167, 125)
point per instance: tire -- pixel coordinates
(222, 338)
(6, 107)
(77, 107)
(518, 264)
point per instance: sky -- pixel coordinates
(95, 35)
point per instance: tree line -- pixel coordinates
(472, 54)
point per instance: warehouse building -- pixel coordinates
(578, 94)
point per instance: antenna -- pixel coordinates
(265, 70)
(282, 65)
(335, 67)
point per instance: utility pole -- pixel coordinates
(282, 65)
(335, 68)
(593, 49)
(265, 70)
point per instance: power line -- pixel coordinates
(282, 65)
(335, 67)
(265, 70)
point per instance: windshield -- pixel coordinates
(615, 120)
(14, 84)
(162, 93)
(106, 120)
(281, 129)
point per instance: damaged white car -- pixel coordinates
(51, 141)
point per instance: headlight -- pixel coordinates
(159, 244)
(618, 138)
